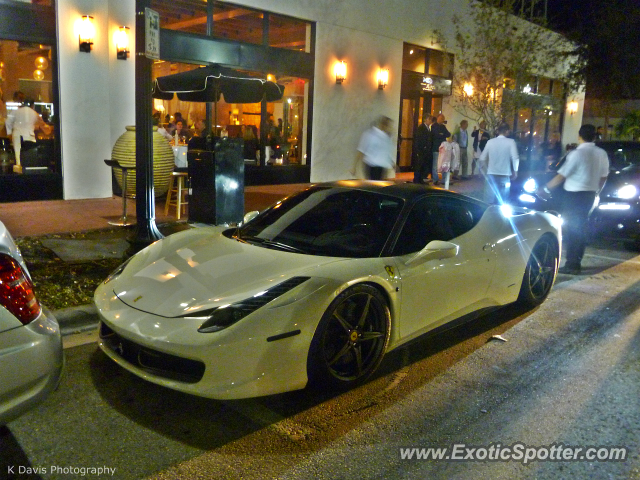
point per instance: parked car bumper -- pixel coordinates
(32, 365)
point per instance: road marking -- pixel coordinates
(612, 258)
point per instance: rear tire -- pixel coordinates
(350, 340)
(540, 272)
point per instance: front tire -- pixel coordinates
(540, 272)
(350, 340)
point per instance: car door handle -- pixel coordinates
(488, 247)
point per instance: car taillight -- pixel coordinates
(16, 291)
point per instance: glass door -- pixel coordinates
(412, 114)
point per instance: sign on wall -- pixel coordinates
(152, 34)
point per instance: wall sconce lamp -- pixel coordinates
(572, 107)
(340, 70)
(468, 89)
(121, 39)
(383, 78)
(86, 32)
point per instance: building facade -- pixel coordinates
(394, 67)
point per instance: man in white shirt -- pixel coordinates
(22, 124)
(499, 163)
(583, 174)
(376, 150)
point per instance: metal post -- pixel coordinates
(146, 230)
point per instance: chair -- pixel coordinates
(176, 195)
(124, 220)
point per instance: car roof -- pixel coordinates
(404, 190)
(615, 144)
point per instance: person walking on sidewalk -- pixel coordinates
(582, 175)
(376, 150)
(499, 163)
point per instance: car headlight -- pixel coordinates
(530, 186)
(226, 315)
(627, 192)
(117, 271)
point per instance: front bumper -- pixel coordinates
(616, 220)
(263, 354)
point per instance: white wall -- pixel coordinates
(342, 112)
(96, 95)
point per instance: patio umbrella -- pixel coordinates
(206, 84)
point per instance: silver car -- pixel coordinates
(31, 355)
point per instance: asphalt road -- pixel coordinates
(568, 374)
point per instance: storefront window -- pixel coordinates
(187, 16)
(237, 23)
(289, 33)
(413, 58)
(26, 82)
(286, 117)
(440, 63)
(544, 86)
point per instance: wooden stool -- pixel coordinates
(176, 194)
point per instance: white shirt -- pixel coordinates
(584, 168)
(22, 123)
(375, 146)
(502, 153)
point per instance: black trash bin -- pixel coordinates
(217, 183)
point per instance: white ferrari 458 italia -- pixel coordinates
(318, 287)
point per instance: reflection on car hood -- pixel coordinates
(201, 269)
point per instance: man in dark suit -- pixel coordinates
(439, 134)
(423, 150)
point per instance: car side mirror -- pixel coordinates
(436, 249)
(250, 216)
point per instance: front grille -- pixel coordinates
(152, 361)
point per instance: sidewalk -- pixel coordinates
(45, 218)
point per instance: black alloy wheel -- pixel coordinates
(540, 272)
(351, 338)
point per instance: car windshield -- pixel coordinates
(326, 221)
(623, 156)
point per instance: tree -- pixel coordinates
(629, 126)
(499, 49)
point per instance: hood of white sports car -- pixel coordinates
(192, 271)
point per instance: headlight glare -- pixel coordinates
(627, 192)
(530, 186)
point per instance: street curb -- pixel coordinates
(77, 319)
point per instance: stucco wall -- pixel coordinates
(96, 95)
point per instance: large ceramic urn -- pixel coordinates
(124, 151)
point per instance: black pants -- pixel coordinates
(575, 215)
(422, 167)
(374, 173)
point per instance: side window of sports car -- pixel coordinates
(436, 219)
